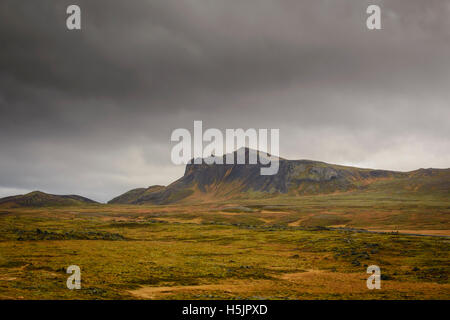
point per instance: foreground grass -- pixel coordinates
(214, 252)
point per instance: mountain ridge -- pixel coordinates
(294, 177)
(42, 199)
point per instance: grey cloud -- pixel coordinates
(91, 111)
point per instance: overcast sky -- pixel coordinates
(90, 112)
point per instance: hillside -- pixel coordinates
(41, 199)
(294, 178)
(131, 196)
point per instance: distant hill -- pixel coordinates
(41, 199)
(295, 178)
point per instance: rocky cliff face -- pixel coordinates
(295, 177)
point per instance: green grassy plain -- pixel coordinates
(263, 248)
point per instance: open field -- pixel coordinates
(249, 249)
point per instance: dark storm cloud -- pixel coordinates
(91, 111)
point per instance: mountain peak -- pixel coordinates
(246, 151)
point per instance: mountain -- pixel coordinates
(131, 196)
(41, 199)
(294, 178)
